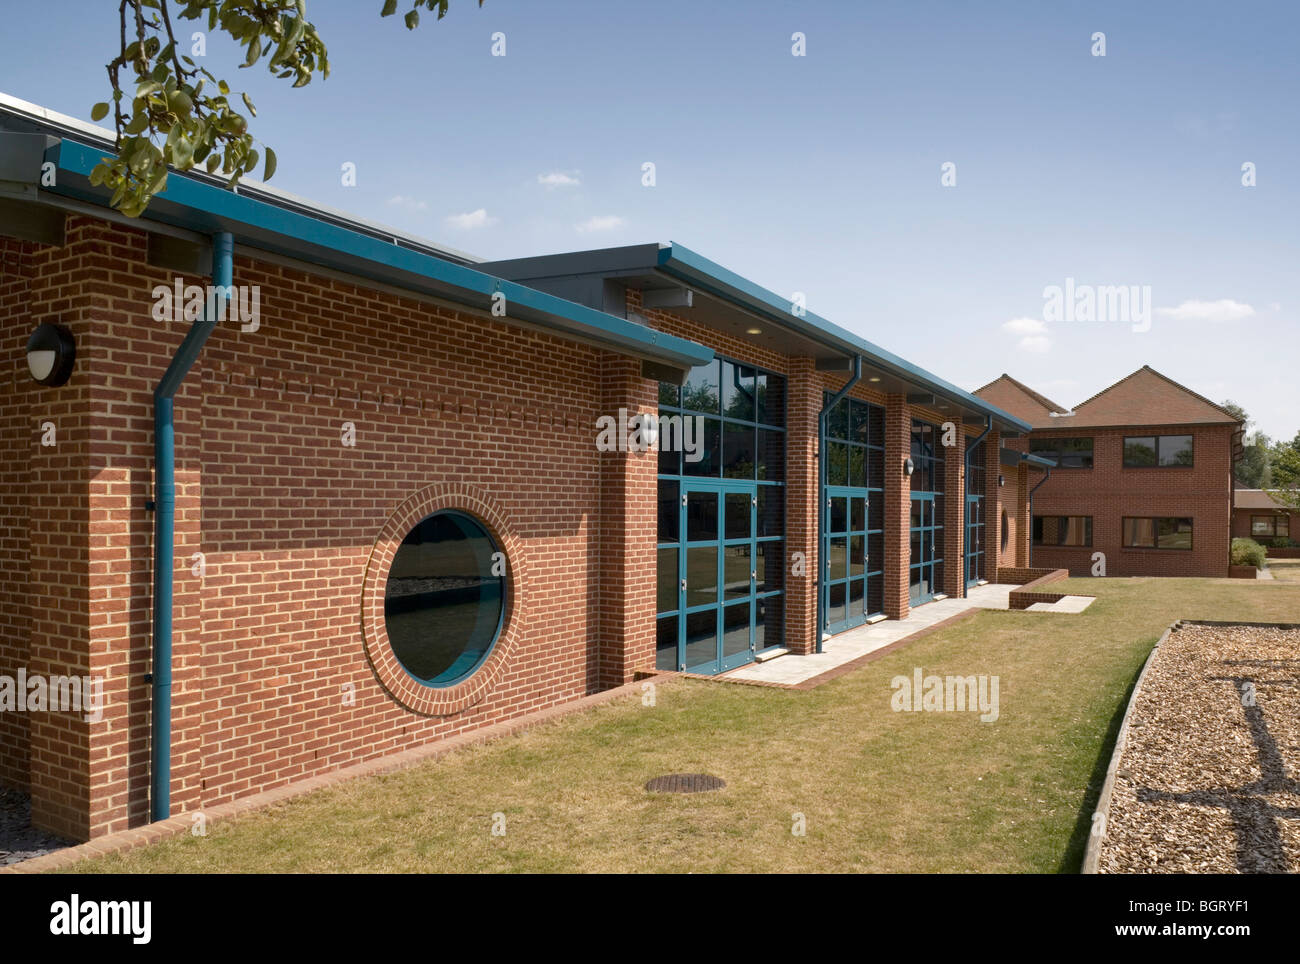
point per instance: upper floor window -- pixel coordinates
(1158, 451)
(927, 457)
(855, 443)
(1068, 453)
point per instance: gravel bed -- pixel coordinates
(1209, 779)
(18, 839)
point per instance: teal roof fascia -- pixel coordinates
(209, 208)
(687, 265)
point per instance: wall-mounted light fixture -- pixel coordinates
(1001, 481)
(50, 354)
(908, 466)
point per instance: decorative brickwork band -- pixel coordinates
(412, 694)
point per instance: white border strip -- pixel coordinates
(1092, 854)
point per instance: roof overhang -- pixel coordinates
(203, 205)
(737, 306)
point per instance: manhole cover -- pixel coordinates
(685, 783)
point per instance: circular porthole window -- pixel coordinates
(444, 599)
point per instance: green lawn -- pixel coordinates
(1286, 570)
(879, 790)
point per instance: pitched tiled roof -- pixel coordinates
(1255, 499)
(1018, 399)
(1145, 397)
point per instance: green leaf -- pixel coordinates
(99, 111)
(270, 165)
(254, 51)
(390, 8)
(214, 161)
(249, 104)
(412, 19)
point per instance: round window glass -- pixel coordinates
(444, 599)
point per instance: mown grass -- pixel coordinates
(1285, 570)
(878, 790)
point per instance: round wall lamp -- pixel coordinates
(908, 466)
(1001, 481)
(50, 354)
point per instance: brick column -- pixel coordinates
(992, 511)
(1020, 531)
(803, 405)
(898, 505)
(954, 514)
(627, 569)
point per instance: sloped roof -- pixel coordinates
(1145, 397)
(1256, 499)
(1019, 399)
(1149, 398)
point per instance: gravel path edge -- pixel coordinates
(1092, 853)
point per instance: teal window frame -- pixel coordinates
(672, 399)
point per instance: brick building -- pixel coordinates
(1257, 514)
(372, 507)
(1143, 476)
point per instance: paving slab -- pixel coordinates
(847, 646)
(1067, 604)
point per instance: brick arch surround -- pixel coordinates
(430, 700)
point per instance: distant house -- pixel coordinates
(1258, 515)
(1143, 476)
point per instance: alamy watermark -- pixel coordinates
(643, 432)
(182, 302)
(34, 693)
(919, 693)
(1118, 303)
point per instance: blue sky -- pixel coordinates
(821, 173)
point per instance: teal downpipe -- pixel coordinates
(821, 494)
(164, 442)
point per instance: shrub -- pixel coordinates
(1247, 552)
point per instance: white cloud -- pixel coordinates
(1024, 326)
(473, 219)
(557, 179)
(606, 222)
(1225, 309)
(1032, 332)
(410, 203)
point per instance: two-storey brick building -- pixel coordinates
(1143, 482)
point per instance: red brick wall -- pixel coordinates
(1108, 492)
(898, 506)
(272, 681)
(954, 516)
(18, 441)
(287, 517)
(1241, 524)
(624, 607)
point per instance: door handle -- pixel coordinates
(683, 585)
(753, 574)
